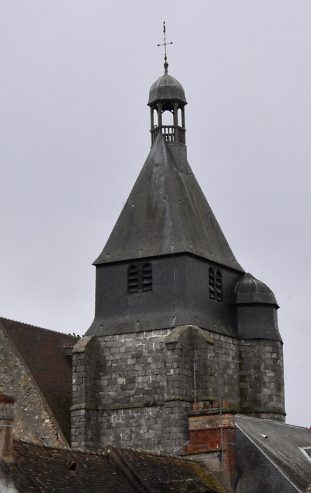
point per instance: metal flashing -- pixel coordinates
(306, 452)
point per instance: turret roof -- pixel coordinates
(251, 290)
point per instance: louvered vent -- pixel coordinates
(215, 285)
(146, 277)
(211, 281)
(218, 286)
(139, 277)
(132, 279)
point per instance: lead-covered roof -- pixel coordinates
(166, 88)
(250, 290)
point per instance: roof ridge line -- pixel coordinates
(155, 453)
(65, 449)
(126, 468)
(274, 422)
(38, 327)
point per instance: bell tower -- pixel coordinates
(167, 96)
(177, 321)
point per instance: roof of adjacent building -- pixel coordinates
(169, 473)
(283, 445)
(43, 351)
(167, 213)
(39, 468)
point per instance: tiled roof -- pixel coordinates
(43, 352)
(169, 473)
(43, 469)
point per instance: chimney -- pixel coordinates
(6, 428)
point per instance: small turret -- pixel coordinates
(261, 354)
(256, 310)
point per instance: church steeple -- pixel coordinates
(157, 267)
(177, 321)
(166, 212)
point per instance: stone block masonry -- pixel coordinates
(137, 389)
(262, 379)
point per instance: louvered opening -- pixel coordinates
(211, 284)
(218, 286)
(146, 277)
(132, 279)
(139, 277)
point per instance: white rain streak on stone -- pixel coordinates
(7, 488)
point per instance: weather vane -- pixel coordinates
(165, 43)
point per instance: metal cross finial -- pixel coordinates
(165, 43)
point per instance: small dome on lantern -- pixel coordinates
(166, 88)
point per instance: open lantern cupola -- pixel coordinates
(167, 98)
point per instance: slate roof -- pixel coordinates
(43, 469)
(250, 290)
(281, 444)
(167, 213)
(43, 352)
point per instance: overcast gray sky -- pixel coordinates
(74, 133)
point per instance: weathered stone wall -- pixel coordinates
(84, 366)
(143, 385)
(262, 379)
(33, 420)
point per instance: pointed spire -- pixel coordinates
(165, 43)
(167, 213)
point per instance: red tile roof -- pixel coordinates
(44, 469)
(43, 352)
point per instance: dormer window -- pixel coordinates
(215, 284)
(139, 277)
